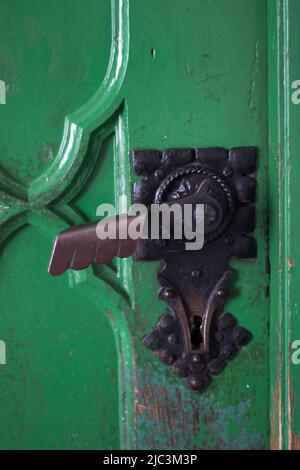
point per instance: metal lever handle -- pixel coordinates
(196, 338)
(79, 247)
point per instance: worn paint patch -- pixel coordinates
(293, 437)
(170, 417)
(2, 92)
(163, 419)
(2, 352)
(295, 442)
(227, 426)
(253, 75)
(276, 418)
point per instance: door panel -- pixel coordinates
(53, 58)
(59, 386)
(180, 74)
(284, 108)
(205, 86)
(61, 357)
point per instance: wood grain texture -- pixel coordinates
(284, 222)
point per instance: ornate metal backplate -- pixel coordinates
(196, 338)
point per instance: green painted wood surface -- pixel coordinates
(284, 66)
(190, 73)
(207, 86)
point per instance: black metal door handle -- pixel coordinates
(196, 338)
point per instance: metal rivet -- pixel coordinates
(226, 320)
(221, 292)
(179, 369)
(159, 174)
(196, 359)
(215, 366)
(151, 341)
(196, 383)
(218, 336)
(196, 273)
(166, 323)
(166, 357)
(227, 172)
(172, 338)
(227, 350)
(168, 293)
(240, 336)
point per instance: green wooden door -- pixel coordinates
(86, 82)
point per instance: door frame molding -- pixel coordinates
(283, 196)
